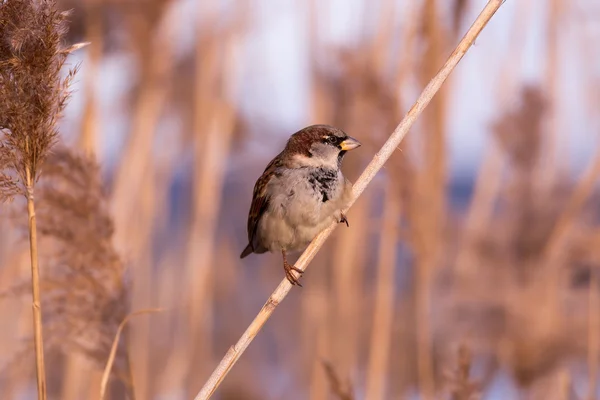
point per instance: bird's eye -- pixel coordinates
(330, 139)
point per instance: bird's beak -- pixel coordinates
(349, 144)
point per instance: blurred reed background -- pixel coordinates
(471, 265)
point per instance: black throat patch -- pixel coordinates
(323, 180)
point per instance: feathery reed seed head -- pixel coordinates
(85, 285)
(8, 184)
(519, 131)
(33, 91)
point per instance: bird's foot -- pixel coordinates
(294, 280)
(344, 219)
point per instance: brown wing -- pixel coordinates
(260, 203)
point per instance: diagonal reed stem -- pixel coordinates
(235, 352)
(115, 345)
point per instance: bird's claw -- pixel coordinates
(344, 219)
(290, 275)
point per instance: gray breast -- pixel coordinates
(306, 195)
(302, 202)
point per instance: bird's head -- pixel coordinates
(320, 146)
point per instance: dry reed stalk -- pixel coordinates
(33, 97)
(168, 295)
(381, 334)
(321, 106)
(35, 282)
(410, 35)
(208, 152)
(369, 173)
(76, 378)
(94, 382)
(554, 249)
(214, 125)
(165, 166)
(340, 391)
(488, 182)
(318, 296)
(214, 122)
(85, 288)
(139, 338)
(316, 308)
(136, 159)
(90, 124)
(459, 9)
(425, 263)
(564, 386)
(135, 189)
(318, 389)
(552, 164)
(593, 333)
(485, 191)
(428, 205)
(357, 96)
(347, 285)
(114, 347)
(314, 324)
(380, 49)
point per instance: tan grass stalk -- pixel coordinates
(564, 385)
(214, 126)
(593, 335)
(33, 96)
(551, 165)
(380, 49)
(115, 345)
(136, 159)
(134, 215)
(410, 33)
(347, 260)
(488, 182)
(428, 197)
(371, 170)
(76, 378)
(339, 389)
(381, 336)
(90, 124)
(35, 288)
(84, 288)
(554, 248)
(318, 389)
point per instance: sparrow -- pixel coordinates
(300, 193)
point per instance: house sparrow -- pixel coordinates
(299, 194)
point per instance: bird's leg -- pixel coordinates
(288, 271)
(344, 219)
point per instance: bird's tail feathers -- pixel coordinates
(248, 250)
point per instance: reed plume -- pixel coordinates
(86, 286)
(86, 290)
(8, 184)
(33, 96)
